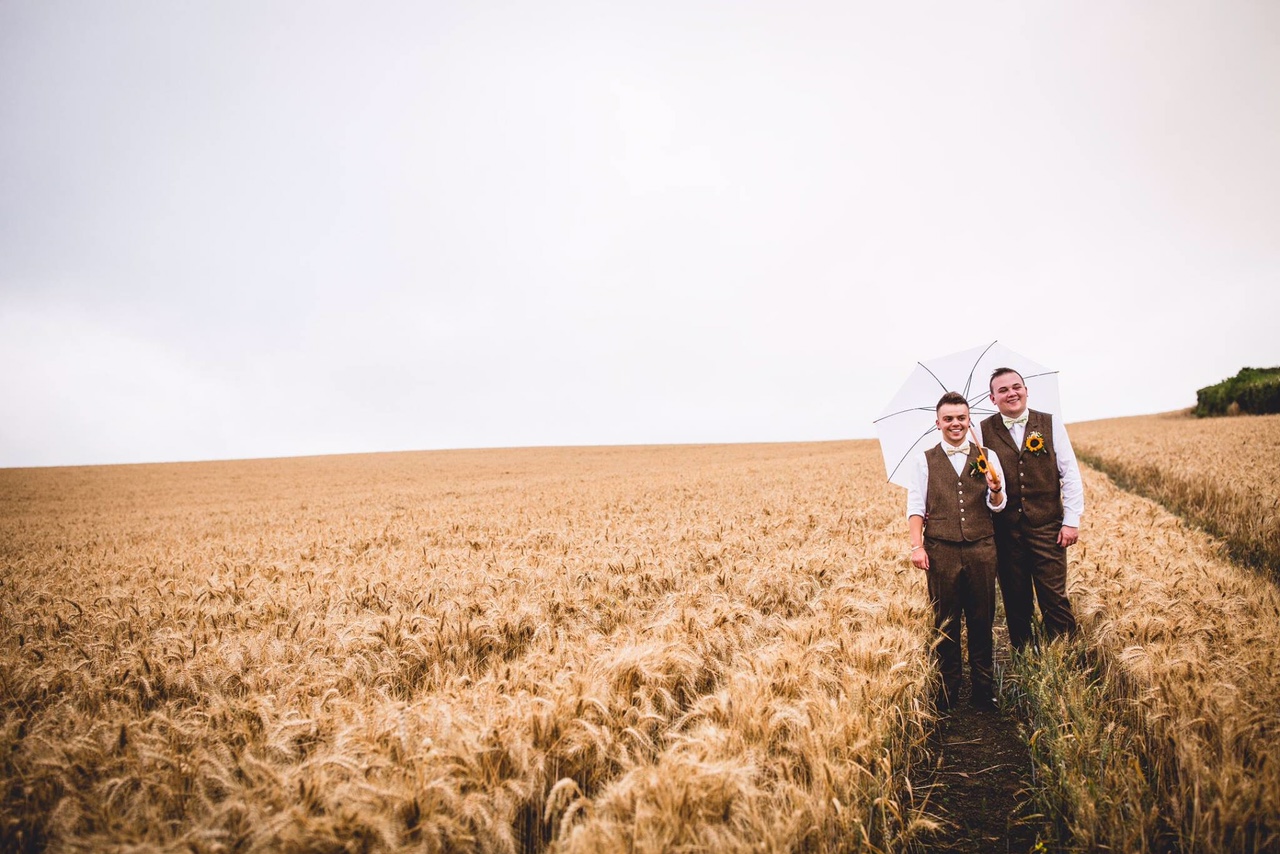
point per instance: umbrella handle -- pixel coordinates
(983, 456)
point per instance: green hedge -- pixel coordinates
(1255, 391)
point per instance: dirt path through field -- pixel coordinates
(979, 770)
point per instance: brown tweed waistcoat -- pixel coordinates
(955, 505)
(1032, 484)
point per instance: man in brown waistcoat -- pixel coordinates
(1046, 501)
(950, 488)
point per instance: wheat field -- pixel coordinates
(1197, 640)
(1188, 642)
(652, 649)
(1223, 473)
(696, 648)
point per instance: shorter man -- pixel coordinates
(957, 495)
(1046, 501)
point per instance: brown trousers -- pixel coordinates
(1033, 567)
(962, 583)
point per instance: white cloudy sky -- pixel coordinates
(237, 229)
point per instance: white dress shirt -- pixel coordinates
(918, 482)
(1068, 470)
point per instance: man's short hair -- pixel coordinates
(991, 383)
(951, 397)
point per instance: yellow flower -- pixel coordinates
(978, 468)
(1035, 443)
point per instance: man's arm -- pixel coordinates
(1072, 486)
(917, 491)
(917, 486)
(919, 557)
(995, 500)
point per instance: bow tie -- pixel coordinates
(963, 449)
(1009, 422)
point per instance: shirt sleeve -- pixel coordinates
(993, 460)
(918, 487)
(1069, 474)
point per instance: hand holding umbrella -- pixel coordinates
(984, 468)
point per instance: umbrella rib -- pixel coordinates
(976, 401)
(935, 377)
(909, 450)
(903, 412)
(969, 382)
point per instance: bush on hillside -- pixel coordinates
(1255, 391)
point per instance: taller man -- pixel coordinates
(1042, 517)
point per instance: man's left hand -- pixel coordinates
(1068, 536)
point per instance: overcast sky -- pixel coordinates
(242, 229)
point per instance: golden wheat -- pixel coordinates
(1220, 472)
(1194, 642)
(715, 647)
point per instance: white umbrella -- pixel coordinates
(907, 425)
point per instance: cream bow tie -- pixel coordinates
(963, 449)
(1009, 422)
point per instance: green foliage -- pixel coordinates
(1255, 391)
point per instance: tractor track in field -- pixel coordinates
(976, 780)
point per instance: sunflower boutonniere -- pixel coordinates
(978, 468)
(1035, 443)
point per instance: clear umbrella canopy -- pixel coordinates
(908, 424)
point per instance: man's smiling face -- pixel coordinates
(1009, 394)
(953, 421)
